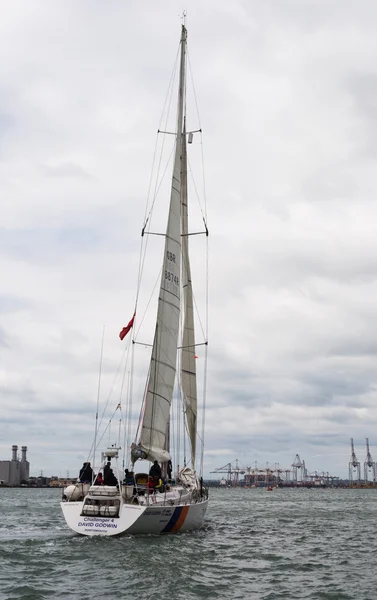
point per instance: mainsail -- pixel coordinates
(188, 367)
(154, 429)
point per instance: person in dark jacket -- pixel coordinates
(86, 473)
(106, 471)
(108, 475)
(155, 470)
(129, 478)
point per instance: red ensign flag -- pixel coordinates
(126, 329)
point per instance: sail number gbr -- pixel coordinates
(171, 279)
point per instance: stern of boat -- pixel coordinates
(84, 523)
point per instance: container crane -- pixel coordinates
(233, 471)
(369, 464)
(353, 464)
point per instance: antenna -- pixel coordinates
(98, 397)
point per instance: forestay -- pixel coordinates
(154, 430)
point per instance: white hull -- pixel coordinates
(135, 519)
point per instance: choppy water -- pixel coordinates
(316, 544)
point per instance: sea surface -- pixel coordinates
(309, 543)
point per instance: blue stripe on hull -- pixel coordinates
(173, 519)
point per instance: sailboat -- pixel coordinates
(159, 501)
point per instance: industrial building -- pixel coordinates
(14, 472)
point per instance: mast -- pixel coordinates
(156, 417)
(182, 89)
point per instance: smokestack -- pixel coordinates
(23, 453)
(14, 452)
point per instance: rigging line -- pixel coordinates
(179, 375)
(169, 93)
(164, 173)
(108, 399)
(205, 363)
(164, 136)
(140, 271)
(119, 426)
(178, 421)
(170, 86)
(154, 383)
(157, 360)
(128, 424)
(159, 180)
(98, 397)
(204, 181)
(127, 403)
(108, 426)
(207, 287)
(141, 415)
(181, 406)
(157, 188)
(131, 396)
(147, 219)
(113, 385)
(186, 431)
(125, 423)
(200, 127)
(150, 180)
(173, 451)
(124, 438)
(193, 87)
(149, 301)
(201, 137)
(159, 183)
(124, 373)
(197, 193)
(156, 399)
(204, 408)
(199, 319)
(149, 223)
(167, 363)
(184, 425)
(185, 265)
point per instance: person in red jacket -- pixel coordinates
(151, 486)
(99, 480)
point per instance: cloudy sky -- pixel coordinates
(287, 94)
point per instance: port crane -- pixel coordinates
(353, 464)
(369, 464)
(233, 471)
